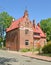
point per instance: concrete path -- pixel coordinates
(14, 58)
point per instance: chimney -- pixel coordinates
(34, 24)
(38, 24)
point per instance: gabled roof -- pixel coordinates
(36, 29)
(42, 34)
(15, 24)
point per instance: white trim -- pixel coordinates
(23, 28)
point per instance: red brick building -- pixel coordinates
(23, 33)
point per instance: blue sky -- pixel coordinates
(37, 9)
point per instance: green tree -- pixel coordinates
(46, 27)
(47, 48)
(5, 21)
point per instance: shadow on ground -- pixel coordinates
(7, 60)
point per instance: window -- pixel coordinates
(26, 42)
(36, 33)
(26, 31)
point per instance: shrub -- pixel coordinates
(46, 48)
(49, 42)
(25, 50)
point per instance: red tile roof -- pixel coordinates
(42, 34)
(15, 24)
(37, 29)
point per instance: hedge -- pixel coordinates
(46, 48)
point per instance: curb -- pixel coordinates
(37, 58)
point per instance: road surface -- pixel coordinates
(7, 58)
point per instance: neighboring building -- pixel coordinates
(22, 33)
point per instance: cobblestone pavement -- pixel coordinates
(7, 58)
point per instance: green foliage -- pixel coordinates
(25, 50)
(49, 42)
(1, 39)
(47, 48)
(28, 50)
(5, 21)
(46, 27)
(46, 54)
(32, 49)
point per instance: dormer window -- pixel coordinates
(37, 34)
